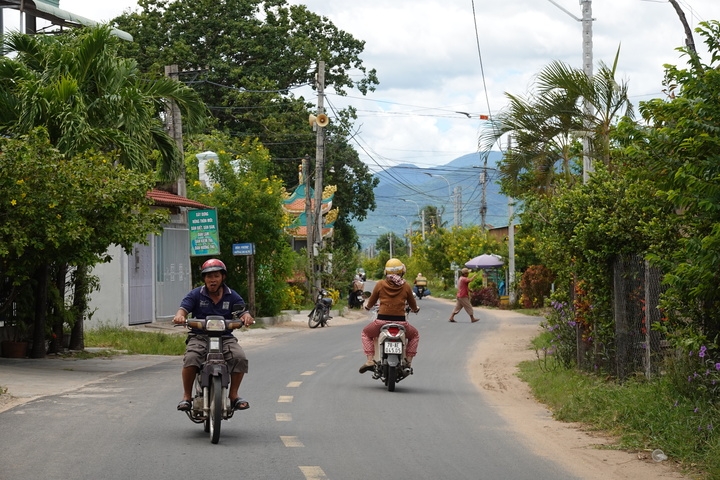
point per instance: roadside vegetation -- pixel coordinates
(641, 415)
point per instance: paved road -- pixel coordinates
(312, 415)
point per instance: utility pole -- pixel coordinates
(319, 165)
(483, 199)
(588, 69)
(173, 126)
(309, 235)
(457, 196)
(587, 54)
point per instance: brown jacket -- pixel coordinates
(392, 298)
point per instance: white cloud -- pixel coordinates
(426, 55)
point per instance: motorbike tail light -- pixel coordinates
(215, 325)
(394, 331)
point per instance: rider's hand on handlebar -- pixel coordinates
(247, 319)
(179, 320)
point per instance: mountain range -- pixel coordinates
(405, 189)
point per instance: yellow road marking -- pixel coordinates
(309, 372)
(294, 384)
(291, 441)
(283, 417)
(285, 399)
(313, 473)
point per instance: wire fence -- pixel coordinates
(636, 294)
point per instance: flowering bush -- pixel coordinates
(697, 375)
(485, 296)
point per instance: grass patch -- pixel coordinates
(135, 342)
(640, 414)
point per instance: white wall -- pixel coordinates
(110, 302)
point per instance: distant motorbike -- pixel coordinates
(356, 296)
(420, 291)
(390, 347)
(320, 314)
(210, 403)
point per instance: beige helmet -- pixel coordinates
(394, 266)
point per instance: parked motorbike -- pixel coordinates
(320, 314)
(210, 403)
(390, 347)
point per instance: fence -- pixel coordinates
(636, 292)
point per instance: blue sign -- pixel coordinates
(243, 249)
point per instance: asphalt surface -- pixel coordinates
(28, 379)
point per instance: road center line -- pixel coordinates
(313, 473)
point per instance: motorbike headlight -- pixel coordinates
(215, 325)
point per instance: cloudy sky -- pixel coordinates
(435, 58)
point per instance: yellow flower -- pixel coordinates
(13, 202)
(20, 182)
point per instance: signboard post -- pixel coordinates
(248, 250)
(204, 233)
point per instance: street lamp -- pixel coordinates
(390, 233)
(450, 195)
(421, 217)
(408, 233)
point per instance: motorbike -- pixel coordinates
(320, 314)
(390, 346)
(210, 403)
(356, 296)
(420, 291)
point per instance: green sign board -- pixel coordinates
(204, 234)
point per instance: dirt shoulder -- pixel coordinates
(493, 368)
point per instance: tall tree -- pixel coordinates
(87, 98)
(681, 152)
(244, 58)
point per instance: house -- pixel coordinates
(295, 204)
(148, 284)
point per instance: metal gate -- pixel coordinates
(140, 285)
(172, 275)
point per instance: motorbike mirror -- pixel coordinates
(367, 294)
(239, 307)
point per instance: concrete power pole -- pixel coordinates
(587, 54)
(588, 69)
(319, 166)
(457, 209)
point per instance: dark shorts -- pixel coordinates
(197, 350)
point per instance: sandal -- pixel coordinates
(240, 404)
(184, 406)
(367, 366)
(452, 320)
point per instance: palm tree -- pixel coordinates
(547, 127)
(88, 98)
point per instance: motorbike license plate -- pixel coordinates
(393, 347)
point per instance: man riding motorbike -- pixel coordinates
(393, 293)
(420, 287)
(213, 298)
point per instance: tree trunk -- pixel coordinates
(41, 304)
(80, 303)
(56, 343)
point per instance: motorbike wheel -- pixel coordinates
(216, 409)
(391, 377)
(316, 318)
